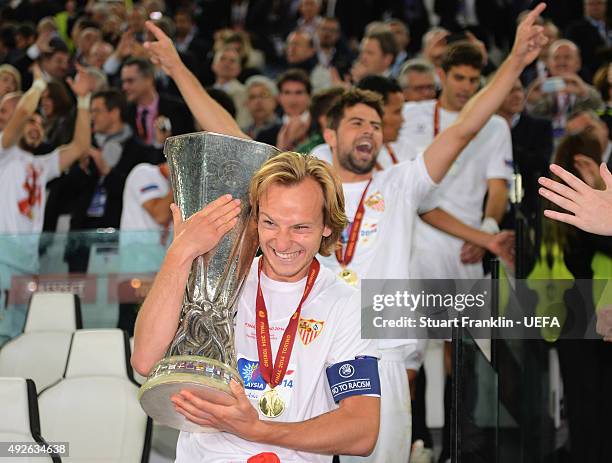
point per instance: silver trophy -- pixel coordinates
(202, 358)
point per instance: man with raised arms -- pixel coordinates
(387, 200)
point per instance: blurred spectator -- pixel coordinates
(321, 103)
(79, 25)
(226, 66)
(57, 109)
(261, 104)
(417, 16)
(294, 92)
(145, 103)
(556, 98)
(300, 51)
(377, 54)
(25, 35)
(98, 54)
(10, 79)
(309, 16)
(135, 23)
(55, 60)
(301, 54)
(589, 121)
(253, 61)
(601, 81)
(100, 177)
(434, 46)
(418, 80)
(87, 37)
(402, 39)
(8, 103)
(331, 50)
(477, 16)
(532, 149)
(592, 35)
(8, 45)
(187, 38)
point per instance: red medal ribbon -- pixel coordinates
(391, 154)
(273, 377)
(436, 120)
(351, 245)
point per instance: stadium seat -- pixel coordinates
(49, 311)
(40, 353)
(20, 421)
(95, 405)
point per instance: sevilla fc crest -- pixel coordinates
(309, 330)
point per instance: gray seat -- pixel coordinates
(40, 353)
(95, 405)
(20, 421)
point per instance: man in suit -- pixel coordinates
(590, 121)
(146, 104)
(592, 35)
(294, 91)
(99, 179)
(532, 147)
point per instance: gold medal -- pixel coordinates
(349, 276)
(271, 404)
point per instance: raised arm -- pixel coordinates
(211, 116)
(445, 148)
(24, 110)
(158, 318)
(82, 86)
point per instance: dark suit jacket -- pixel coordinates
(532, 147)
(85, 183)
(269, 135)
(592, 46)
(175, 110)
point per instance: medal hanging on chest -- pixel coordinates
(271, 404)
(346, 273)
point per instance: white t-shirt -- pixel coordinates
(462, 191)
(142, 242)
(323, 152)
(23, 177)
(145, 182)
(328, 334)
(386, 236)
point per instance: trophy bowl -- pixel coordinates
(201, 358)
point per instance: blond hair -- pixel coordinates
(12, 70)
(290, 168)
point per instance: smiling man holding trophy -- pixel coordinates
(310, 386)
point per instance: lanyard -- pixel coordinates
(273, 376)
(351, 245)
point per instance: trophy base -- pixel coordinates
(207, 378)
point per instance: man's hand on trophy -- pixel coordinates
(162, 50)
(203, 230)
(239, 418)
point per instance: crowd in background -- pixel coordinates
(277, 66)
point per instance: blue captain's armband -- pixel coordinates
(354, 377)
